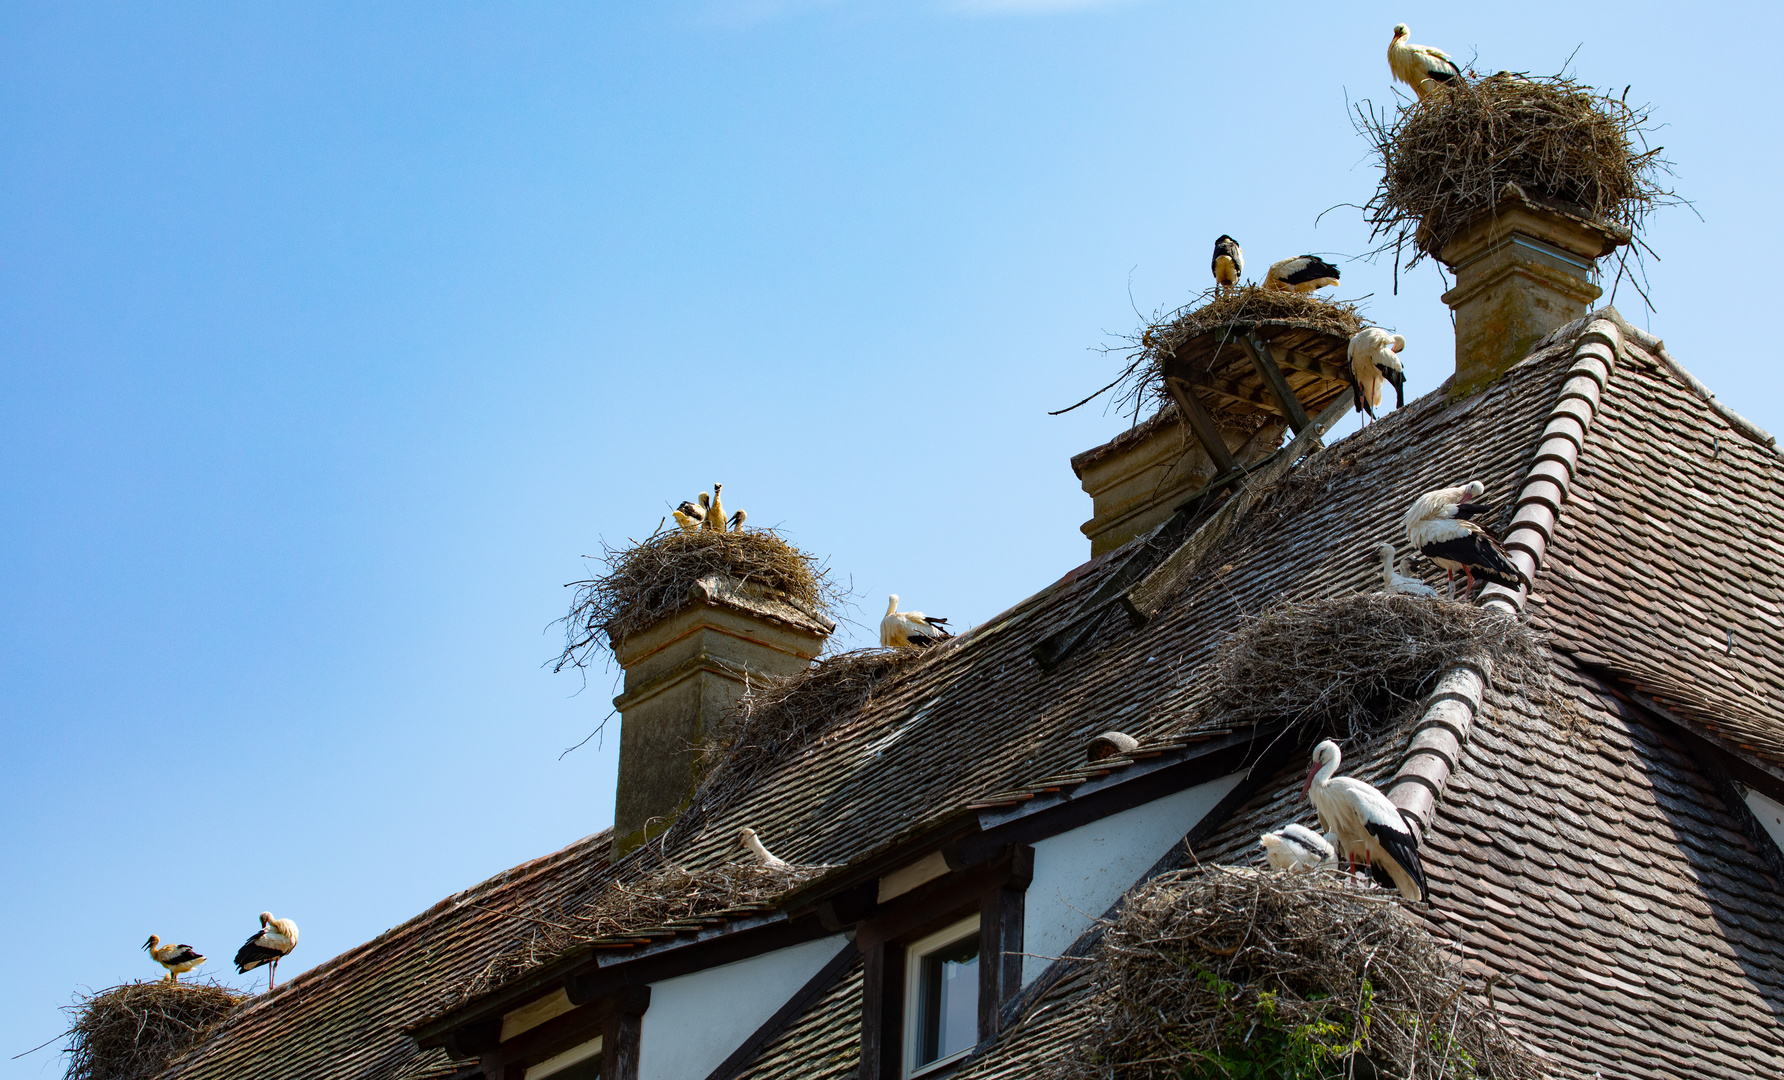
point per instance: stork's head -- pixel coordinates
(1399, 342)
(266, 917)
(745, 835)
(1385, 551)
(1400, 31)
(892, 604)
(154, 940)
(705, 500)
(1270, 840)
(1326, 753)
(1223, 238)
(1472, 490)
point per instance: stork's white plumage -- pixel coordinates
(737, 520)
(1438, 526)
(690, 515)
(177, 959)
(1393, 582)
(275, 938)
(715, 514)
(1296, 847)
(1229, 262)
(1421, 67)
(904, 629)
(747, 838)
(1301, 274)
(1374, 360)
(1363, 817)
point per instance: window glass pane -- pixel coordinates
(950, 1001)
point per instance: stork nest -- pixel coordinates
(1221, 972)
(779, 718)
(131, 1032)
(1457, 154)
(662, 574)
(670, 894)
(1359, 665)
(1218, 311)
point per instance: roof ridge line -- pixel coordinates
(1657, 349)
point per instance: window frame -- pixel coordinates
(914, 955)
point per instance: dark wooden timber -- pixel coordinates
(1000, 942)
(1258, 350)
(882, 1013)
(1201, 423)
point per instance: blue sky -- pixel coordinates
(331, 337)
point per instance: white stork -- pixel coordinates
(1296, 847)
(737, 521)
(715, 514)
(1420, 66)
(1439, 527)
(1229, 262)
(1302, 274)
(1363, 817)
(1374, 360)
(177, 959)
(746, 838)
(906, 629)
(269, 945)
(689, 515)
(1394, 582)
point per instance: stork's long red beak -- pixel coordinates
(1312, 771)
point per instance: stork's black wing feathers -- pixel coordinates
(253, 954)
(1402, 848)
(1315, 269)
(186, 953)
(1480, 553)
(1469, 510)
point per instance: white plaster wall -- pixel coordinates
(1079, 874)
(1769, 813)
(695, 1021)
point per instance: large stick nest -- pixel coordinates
(658, 576)
(670, 894)
(1449, 159)
(1220, 312)
(1359, 665)
(131, 1032)
(1220, 972)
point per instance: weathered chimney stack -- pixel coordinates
(683, 674)
(1522, 269)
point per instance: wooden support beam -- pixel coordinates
(1289, 358)
(1201, 423)
(1232, 391)
(1277, 383)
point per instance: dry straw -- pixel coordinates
(670, 894)
(1223, 972)
(1448, 159)
(1218, 312)
(131, 1032)
(656, 577)
(1359, 665)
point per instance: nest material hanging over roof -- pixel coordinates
(1450, 158)
(1359, 665)
(1205, 334)
(667, 572)
(1220, 972)
(131, 1032)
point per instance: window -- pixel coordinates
(941, 996)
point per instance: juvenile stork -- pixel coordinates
(1364, 818)
(1439, 527)
(1302, 274)
(1296, 847)
(908, 629)
(689, 515)
(715, 514)
(747, 838)
(1374, 360)
(177, 959)
(269, 945)
(1229, 262)
(1394, 582)
(1421, 67)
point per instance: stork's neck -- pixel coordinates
(892, 605)
(1326, 772)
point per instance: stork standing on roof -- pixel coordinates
(1393, 582)
(906, 629)
(177, 959)
(1363, 817)
(1374, 360)
(1296, 847)
(747, 838)
(1302, 274)
(1439, 527)
(1421, 67)
(1229, 262)
(690, 515)
(270, 944)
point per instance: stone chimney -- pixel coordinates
(1521, 270)
(1139, 478)
(683, 674)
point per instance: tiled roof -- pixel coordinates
(1563, 904)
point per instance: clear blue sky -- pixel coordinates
(331, 336)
